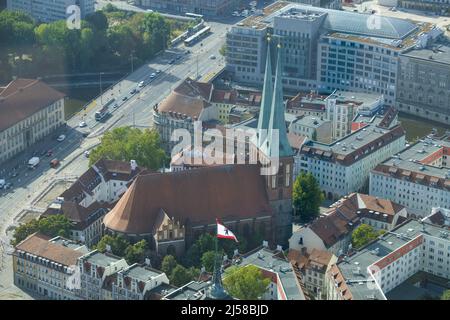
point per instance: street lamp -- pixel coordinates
(101, 88)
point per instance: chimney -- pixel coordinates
(133, 165)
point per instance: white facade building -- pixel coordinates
(417, 178)
(343, 166)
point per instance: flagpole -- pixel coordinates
(217, 291)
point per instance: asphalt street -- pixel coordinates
(137, 110)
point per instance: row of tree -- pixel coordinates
(51, 226)
(133, 253)
(107, 40)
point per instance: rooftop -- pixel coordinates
(377, 132)
(22, 98)
(354, 267)
(337, 21)
(421, 161)
(101, 259)
(310, 121)
(40, 245)
(141, 273)
(191, 291)
(437, 54)
(275, 261)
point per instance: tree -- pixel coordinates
(117, 243)
(192, 256)
(445, 295)
(363, 234)
(136, 253)
(98, 20)
(306, 196)
(52, 226)
(208, 260)
(168, 264)
(223, 50)
(127, 144)
(180, 276)
(246, 283)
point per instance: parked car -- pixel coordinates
(133, 91)
(82, 124)
(49, 153)
(61, 138)
(212, 57)
(124, 98)
(141, 84)
(87, 153)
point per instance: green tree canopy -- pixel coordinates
(117, 243)
(446, 295)
(306, 196)
(246, 283)
(127, 144)
(136, 253)
(52, 226)
(168, 264)
(363, 234)
(180, 276)
(208, 260)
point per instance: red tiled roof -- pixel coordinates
(39, 245)
(197, 196)
(22, 98)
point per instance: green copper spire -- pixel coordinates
(264, 113)
(277, 120)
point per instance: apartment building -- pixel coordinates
(30, 111)
(423, 85)
(386, 266)
(418, 177)
(313, 268)
(62, 269)
(51, 10)
(326, 49)
(47, 267)
(343, 166)
(91, 196)
(314, 128)
(134, 282)
(204, 7)
(332, 231)
(95, 268)
(285, 282)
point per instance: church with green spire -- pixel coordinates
(272, 142)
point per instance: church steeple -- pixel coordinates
(266, 102)
(277, 119)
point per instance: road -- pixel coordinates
(136, 110)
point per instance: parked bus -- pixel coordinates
(197, 36)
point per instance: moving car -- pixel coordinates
(212, 57)
(61, 138)
(33, 162)
(54, 163)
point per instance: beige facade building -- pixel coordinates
(30, 111)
